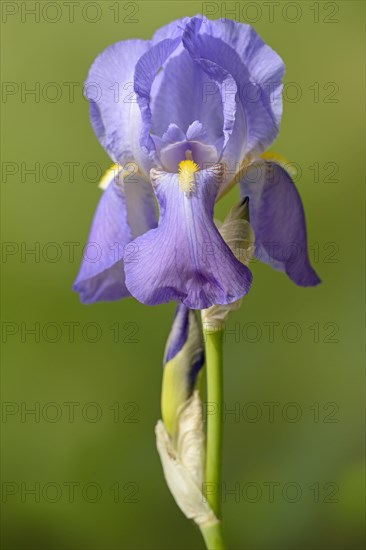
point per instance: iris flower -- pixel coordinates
(184, 117)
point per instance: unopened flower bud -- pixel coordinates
(183, 461)
(183, 360)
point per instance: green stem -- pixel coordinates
(214, 372)
(213, 536)
(214, 425)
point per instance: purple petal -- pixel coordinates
(173, 135)
(265, 66)
(113, 108)
(184, 94)
(172, 155)
(171, 30)
(197, 132)
(179, 333)
(257, 72)
(233, 144)
(144, 76)
(185, 258)
(278, 219)
(126, 210)
(222, 79)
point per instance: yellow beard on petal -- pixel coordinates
(111, 173)
(126, 170)
(187, 169)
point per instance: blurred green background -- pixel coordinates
(88, 451)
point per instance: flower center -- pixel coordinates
(174, 153)
(187, 169)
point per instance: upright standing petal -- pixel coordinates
(114, 113)
(196, 98)
(144, 76)
(257, 72)
(185, 258)
(226, 84)
(171, 30)
(126, 210)
(264, 65)
(278, 220)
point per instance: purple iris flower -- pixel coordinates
(185, 116)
